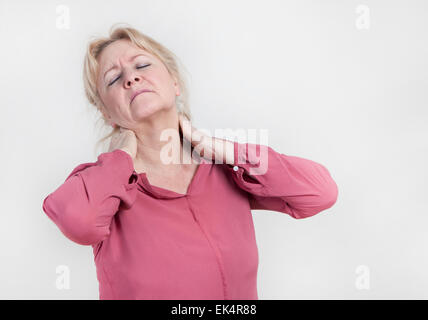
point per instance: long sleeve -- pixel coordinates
(283, 183)
(84, 205)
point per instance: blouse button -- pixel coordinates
(235, 168)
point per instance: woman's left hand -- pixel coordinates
(208, 147)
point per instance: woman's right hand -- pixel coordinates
(124, 140)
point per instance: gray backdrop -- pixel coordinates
(343, 83)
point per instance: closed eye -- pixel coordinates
(138, 67)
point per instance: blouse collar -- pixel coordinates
(162, 193)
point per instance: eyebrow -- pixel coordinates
(115, 66)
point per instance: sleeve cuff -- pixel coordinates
(122, 163)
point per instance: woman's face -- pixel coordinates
(125, 69)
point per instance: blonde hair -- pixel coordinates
(169, 59)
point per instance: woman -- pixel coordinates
(172, 231)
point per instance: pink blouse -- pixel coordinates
(153, 243)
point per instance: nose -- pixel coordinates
(132, 79)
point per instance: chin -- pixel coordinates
(146, 110)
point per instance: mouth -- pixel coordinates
(138, 93)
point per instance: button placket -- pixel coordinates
(214, 248)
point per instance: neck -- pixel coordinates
(150, 146)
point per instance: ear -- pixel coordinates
(177, 87)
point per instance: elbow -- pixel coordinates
(324, 200)
(328, 191)
(330, 195)
(79, 225)
(76, 223)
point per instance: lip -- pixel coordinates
(136, 93)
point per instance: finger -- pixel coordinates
(185, 128)
(187, 124)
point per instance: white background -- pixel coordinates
(352, 99)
